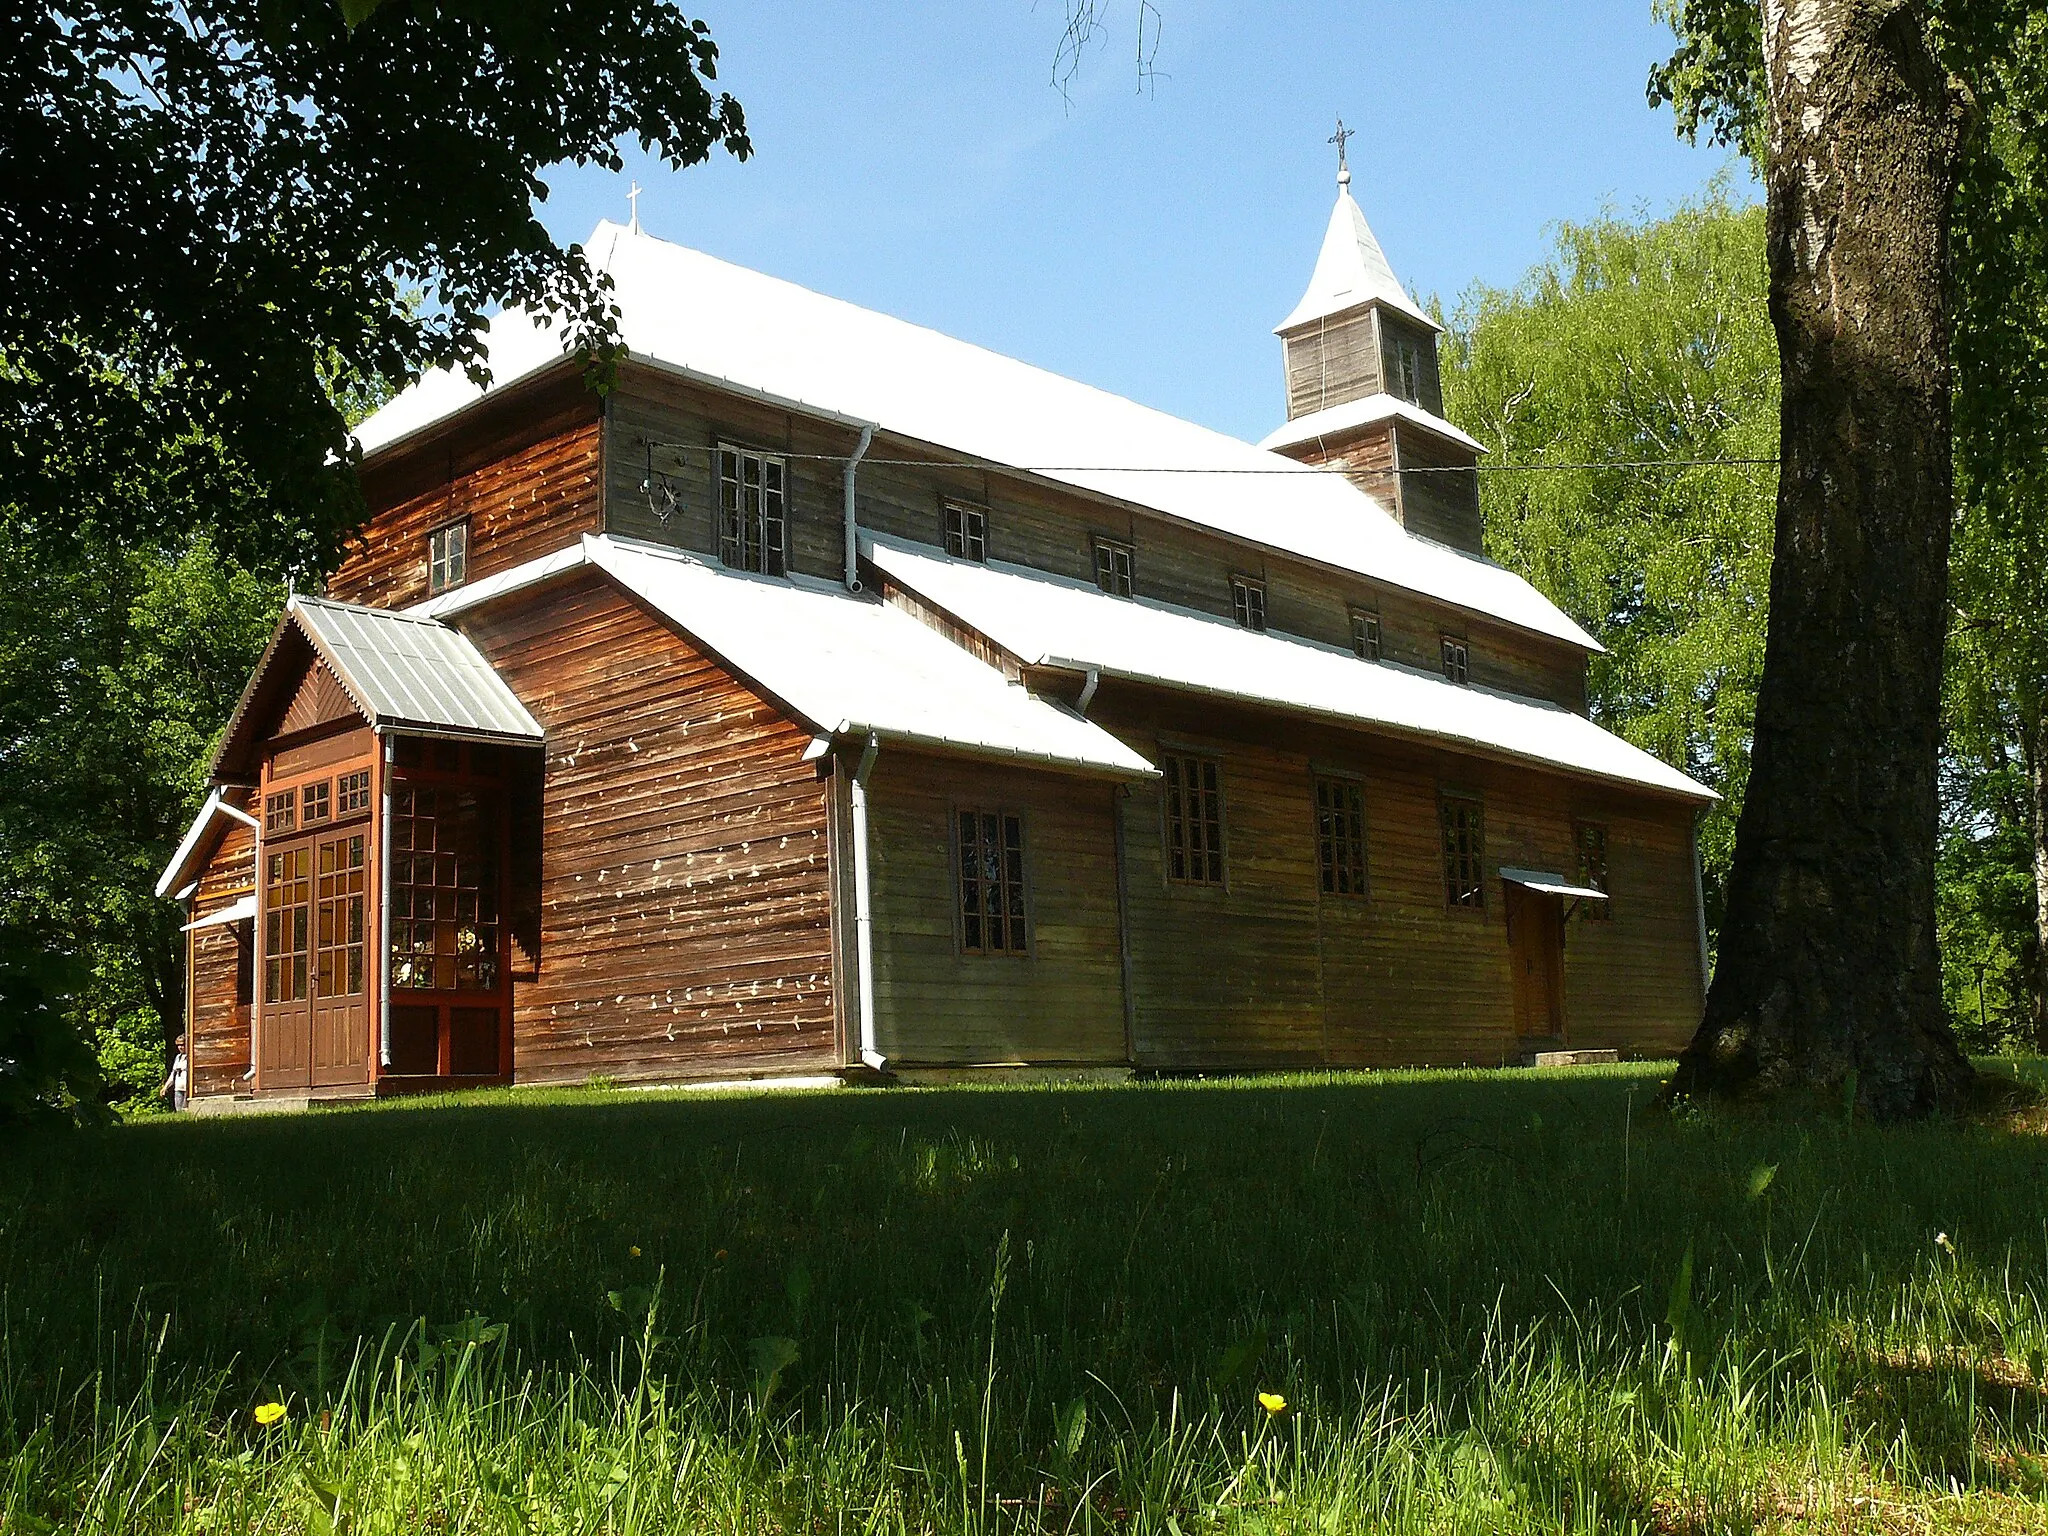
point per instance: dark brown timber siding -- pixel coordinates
(685, 882)
(528, 483)
(218, 1020)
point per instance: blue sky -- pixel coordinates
(916, 158)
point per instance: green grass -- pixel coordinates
(1493, 1302)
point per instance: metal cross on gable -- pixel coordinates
(633, 203)
(1340, 138)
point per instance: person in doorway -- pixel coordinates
(178, 1078)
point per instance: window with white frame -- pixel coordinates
(753, 509)
(448, 556)
(1113, 567)
(966, 532)
(1248, 603)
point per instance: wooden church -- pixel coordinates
(832, 697)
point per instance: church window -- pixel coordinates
(1464, 829)
(1340, 835)
(991, 864)
(1457, 660)
(1365, 634)
(448, 556)
(1113, 567)
(752, 511)
(1404, 369)
(1590, 839)
(1194, 819)
(966, 532)
(1248, 603)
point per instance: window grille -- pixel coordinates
(1464, 829)
(991, 866)
(1194, 819)
(1340, 835)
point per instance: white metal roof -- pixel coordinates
(740, 329)
(1333, 419)
(240, 910)
(1351, 270)
(408, 672)
(1050, 621)
(181, 867)
(845, 665)
(1550, 883)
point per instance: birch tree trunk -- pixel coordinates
(2036, 729)
(1828, 970)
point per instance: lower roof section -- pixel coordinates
(1053, 622)
(847, 666)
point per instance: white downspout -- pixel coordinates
(383, 961)
(867, 436)
(1088, 687)
(863, 899)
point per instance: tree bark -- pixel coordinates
(1829, 975)
(2036, 729)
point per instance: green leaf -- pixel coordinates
(355, 12)
(1760, 1178)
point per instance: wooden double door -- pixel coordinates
(313, 1021)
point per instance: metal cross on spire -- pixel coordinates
(1339, 138)
(633, 203)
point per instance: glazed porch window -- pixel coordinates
(314, 801)
(444, 891)
(352, 792)
(281, 811)
(1340, 835)
(991, 860)
(287, 924)
(1194, 819)
(1464, 829)
(753, 503)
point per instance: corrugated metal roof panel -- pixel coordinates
(405, 671)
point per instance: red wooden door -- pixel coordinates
(284, 1034)
(340, 1005)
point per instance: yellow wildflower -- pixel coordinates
(268, 1414)
(634, 1250)
(1272, 1402)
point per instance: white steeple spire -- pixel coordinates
(1352, 269)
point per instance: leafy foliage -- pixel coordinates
(218, 215)
(1639, 343)
(117, 668)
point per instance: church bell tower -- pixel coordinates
(1363, 390)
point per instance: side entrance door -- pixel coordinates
(341, 1013)
(1536, 951)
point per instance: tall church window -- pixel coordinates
(753, 509)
